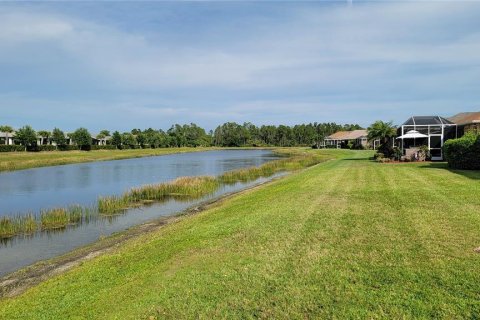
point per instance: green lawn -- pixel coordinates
(349, 238)
(23, 160)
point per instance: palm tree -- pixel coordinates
(7, 130)
(382, 131)
(45, 135)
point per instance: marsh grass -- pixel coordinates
(112, 204)
(54, 218)
(295, 162)
(58, 218)
(10, 227)
(7, 228)
(180, 188)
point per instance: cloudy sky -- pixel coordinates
(150, 64)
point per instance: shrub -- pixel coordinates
(463, 153)
(378, 156)
(397, 153)
(9, 148)
(67, 147)
(424, 152)
(38, 148)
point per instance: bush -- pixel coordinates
(378, 156)
(38, 148)
(67, 147)
(106, 147)
(463, 153)
(9, 148)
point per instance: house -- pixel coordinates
(100, 140)
(7, 138)
(431, 131)
(342, 139)
(467, 122)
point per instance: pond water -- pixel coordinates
(59, 186)
(42, 188)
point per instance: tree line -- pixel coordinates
(229, 134)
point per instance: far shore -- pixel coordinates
(11, 161)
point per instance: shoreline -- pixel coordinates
(16, 161)
(19, 281)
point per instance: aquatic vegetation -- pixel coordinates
(54, 218)
(26, 224)
(268, 169)
(12, 226)
(184, 187)
(7, 227)
(111, 204)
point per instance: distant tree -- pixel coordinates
(7, 130)
(128, 139)
(58, 136)
(116, 139)
(230, 134)
(82, 138)
(268, 134)
(26, 136)
(141, 139)
(283, 136)
(45, 135)
(105, 133)
(100, 136)
(136, 132)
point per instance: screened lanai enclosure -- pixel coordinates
(431, 131)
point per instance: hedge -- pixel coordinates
(42, 148)
(463, 153)
(67, 148)
(10, 148)
(106, 147)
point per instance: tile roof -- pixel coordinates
(465, 118)
(348, 135)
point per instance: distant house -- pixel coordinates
(431, 131)
(7, 138)
(342, 139)
(467, 122)
(100, 141)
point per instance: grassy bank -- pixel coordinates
(10, 161)
(345, 239)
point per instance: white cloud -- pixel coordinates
(364, 56)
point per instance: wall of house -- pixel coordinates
(474, 128)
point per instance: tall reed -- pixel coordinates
(184, 187)
(7, 228)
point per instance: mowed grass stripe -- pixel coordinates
(344, 239)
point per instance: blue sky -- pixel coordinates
(123, 65)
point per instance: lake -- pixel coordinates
(31, 190)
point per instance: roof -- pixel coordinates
(465, 118)
(5, 134)
(426, 120)
(348, 135)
